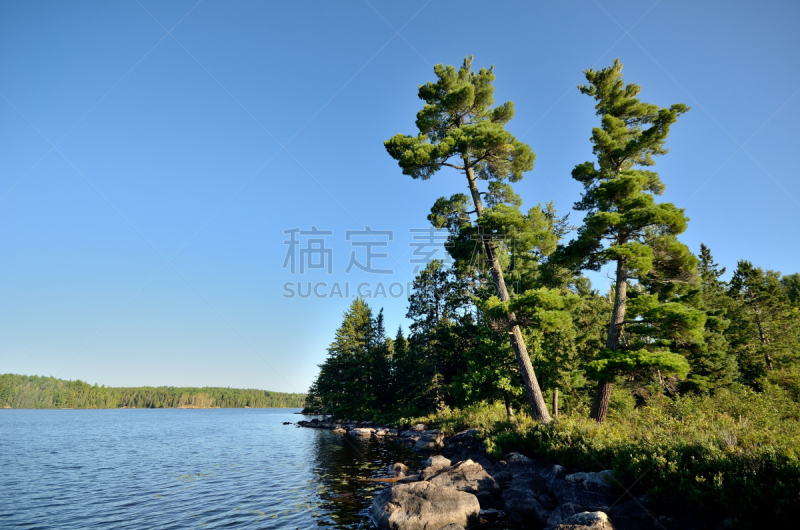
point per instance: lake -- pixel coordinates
(184, 468)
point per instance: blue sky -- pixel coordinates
(153, 153)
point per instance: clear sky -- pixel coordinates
(152, 154)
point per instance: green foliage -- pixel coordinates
(353, 378)
(765, 330)
(733, 455)
(35, 392)
(458, 122)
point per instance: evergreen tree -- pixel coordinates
(766, 326)
(624, 224)
(459, 128)
(343, 384)
(791, 285)
(712, 364)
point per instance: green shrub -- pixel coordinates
(734, 455)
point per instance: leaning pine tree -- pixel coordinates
(460, 129)
(624, 225)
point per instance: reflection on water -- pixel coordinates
(177, 469)
(342, 467)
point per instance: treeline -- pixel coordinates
(35, 392)
(514, 319)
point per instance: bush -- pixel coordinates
(733, 454)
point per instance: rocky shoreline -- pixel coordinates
(463, 486)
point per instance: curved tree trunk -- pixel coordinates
(603, 395)
(538, 406)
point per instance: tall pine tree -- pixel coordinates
(624, 225)
(460, 129)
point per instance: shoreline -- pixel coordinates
(462, 486)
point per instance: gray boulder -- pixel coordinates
(586, 521)
(562, 512)
(437, 461)
(466, 476)
(521, 505)
(429, 443)
(593, 491)
(423, 506)
(362, 431)
(399, 467)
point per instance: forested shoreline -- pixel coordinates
(36, 392)
(686, 384)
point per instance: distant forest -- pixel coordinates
(34, 392)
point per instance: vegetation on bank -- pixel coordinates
(687, 385)
(734, 454)
(35, 392)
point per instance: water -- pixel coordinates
(180, 469)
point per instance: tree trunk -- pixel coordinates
(509, 408)
(555, 402)
(538, 406)
(603, 395)
(764, 341)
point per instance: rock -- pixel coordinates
(554, 472)
(419, 427)
(590, 490)
(381, 432)
(429, 443)
(522, 505)
(562, 512)
(600, 481)
(339, 430)
(466, 476)
(528, 480)
(586, 521)
(362, 431)
(409, 479)
(634, 514)
(399, 467)
(438, 462)
(423, 506)
(486, 500)
(513, 464)
(452, 527)
(516, 459)
(545, 499)
(492, 515)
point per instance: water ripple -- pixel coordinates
(178, 469)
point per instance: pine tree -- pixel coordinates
(766, 327)
(712, 364)
(791, 285)
(624, 224)
(459, 128)
(343, 384)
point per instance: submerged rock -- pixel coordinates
(423, 506)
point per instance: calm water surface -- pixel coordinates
(165, 469)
